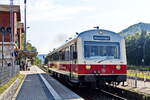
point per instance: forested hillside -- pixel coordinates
(138, 48)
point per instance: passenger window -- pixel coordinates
(73, 51)
(67, 54)
(61, 55)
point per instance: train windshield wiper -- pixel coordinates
(104, 60)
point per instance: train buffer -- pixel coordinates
(38, 85)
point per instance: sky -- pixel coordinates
(52, 22)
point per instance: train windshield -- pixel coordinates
(102, 50)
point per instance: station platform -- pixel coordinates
(38, 85)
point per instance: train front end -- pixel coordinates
(101, 57)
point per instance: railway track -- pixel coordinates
(115, 96)
(97, 94)
(100, 94)
(108, 93)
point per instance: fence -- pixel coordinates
(7, 72)
(138, 82)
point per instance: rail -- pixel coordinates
(113, 95)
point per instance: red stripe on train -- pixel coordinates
(95, 69)
(102, 69)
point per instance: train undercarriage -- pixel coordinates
(94, 81)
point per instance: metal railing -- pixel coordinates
(7, 72)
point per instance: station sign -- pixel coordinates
(95, 37)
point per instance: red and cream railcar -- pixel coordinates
(93, 56)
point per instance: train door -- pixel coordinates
(73, 61)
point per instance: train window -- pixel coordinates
(73, 51)
(56, 56)
(61, 55)
(67, 54)
(51, 57)
(101, 49)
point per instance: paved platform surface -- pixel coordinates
(33, 88)
(142, 87)
(65, 93)
(38, 85)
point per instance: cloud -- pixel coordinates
(50, 11)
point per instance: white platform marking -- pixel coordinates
(50, 88)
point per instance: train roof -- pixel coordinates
(88, 32)
(100, 31)
(57, 49)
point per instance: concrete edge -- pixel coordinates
(15, 95)
(50, 88)
(137, 95)
(8, 89)
(135, 91)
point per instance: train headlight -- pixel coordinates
(87, 67)
(118, 67)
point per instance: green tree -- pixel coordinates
(137, 47)
(37, 61)
(46, 60)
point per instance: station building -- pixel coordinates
(12, 40)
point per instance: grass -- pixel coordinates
(133, 67)
(7, 85)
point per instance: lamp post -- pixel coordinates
(12, 34)
(25, 34)
(136, 70)
(143, 60)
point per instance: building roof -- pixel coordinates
(22, 53)
(16, 8)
